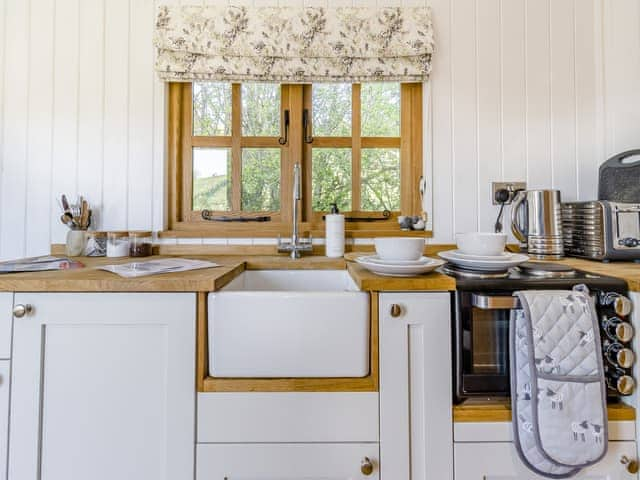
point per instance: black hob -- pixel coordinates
(531, 275)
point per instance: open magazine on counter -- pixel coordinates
(39, 264)
(154, 267)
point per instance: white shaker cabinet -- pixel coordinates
(103, 387)
(6, 305)
(416, 440)
(500, 461)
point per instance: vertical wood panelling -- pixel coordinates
(440, 146)
(39, 141)
(488, 112)
(563, 97)
(91, 103)
(64, 174)
(464, 94)
(116, 116)
(588, 96)
(536, 90)
(15, 151)
(140, 120)
(538, 95)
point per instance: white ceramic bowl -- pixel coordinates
(477, 243)
(399, 248)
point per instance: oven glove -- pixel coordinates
(557, 382)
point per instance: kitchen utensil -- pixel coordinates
(536, 221)
(477, 243)
(482, 263)
(399, 248)
(619, 178)
(602, 230)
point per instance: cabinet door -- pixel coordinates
(4, 416)
(293, 461)
(416, 440)
(500, 461)
(6, 306)
(103, 387)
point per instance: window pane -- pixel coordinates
(331, 110)
(380, 180)
(260, 179)
(380, 109)
(212, 179)
(211, 108)
(261, 109)
(331, 178)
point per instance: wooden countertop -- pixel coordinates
(500, 411)
(629, 271)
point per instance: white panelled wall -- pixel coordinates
(535, 90)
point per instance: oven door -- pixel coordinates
(481, 344)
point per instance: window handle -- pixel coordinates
(285, 139)
(305, 126)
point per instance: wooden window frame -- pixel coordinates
(182, 221)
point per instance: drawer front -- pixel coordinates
(4, 415)
(264, 417)
(288, 461)
(6, 319)
(500, 461)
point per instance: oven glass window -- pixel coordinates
(490, 342)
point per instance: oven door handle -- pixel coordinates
(490, 302)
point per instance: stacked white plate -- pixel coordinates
(486, 263)
(399, 268)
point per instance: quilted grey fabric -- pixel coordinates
(557, 382)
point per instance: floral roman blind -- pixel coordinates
(293, 45)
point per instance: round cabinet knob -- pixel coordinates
(631, 465)
(366, 466)
(622, 306)
(396, 310)
(20, 311)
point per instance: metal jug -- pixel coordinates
(536, 221)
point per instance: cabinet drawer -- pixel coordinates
(500, 461)
(287, 461)
(6, 319)
(264, 417)
(4, 415)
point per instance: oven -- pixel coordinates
(481, 339)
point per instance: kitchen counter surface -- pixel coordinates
(89, 279)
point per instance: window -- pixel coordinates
(359, 146)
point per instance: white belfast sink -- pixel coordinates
(289, 323)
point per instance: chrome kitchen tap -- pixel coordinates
(297, 244)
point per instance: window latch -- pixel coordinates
(386, 215)
(285, 139)
(208, 215)
(306, 126)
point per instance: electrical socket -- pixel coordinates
(512, 187)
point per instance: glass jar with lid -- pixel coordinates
(96, 244)
(117, 244)
(140, 244)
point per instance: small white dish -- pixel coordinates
(504, 256)
(382, 261)
(400, 270)
(480, 263)
(481, 243)
(399, 248)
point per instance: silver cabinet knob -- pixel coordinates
(20, 311)
(366, 466)
(630, 464)
(396, 310)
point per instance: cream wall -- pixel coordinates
(522, 89)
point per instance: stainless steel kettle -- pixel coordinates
(536, 221)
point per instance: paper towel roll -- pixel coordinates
(334, 242)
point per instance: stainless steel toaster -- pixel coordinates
(601, 230)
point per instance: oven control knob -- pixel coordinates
(618, 330)
(622, 305)
(619, 355)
